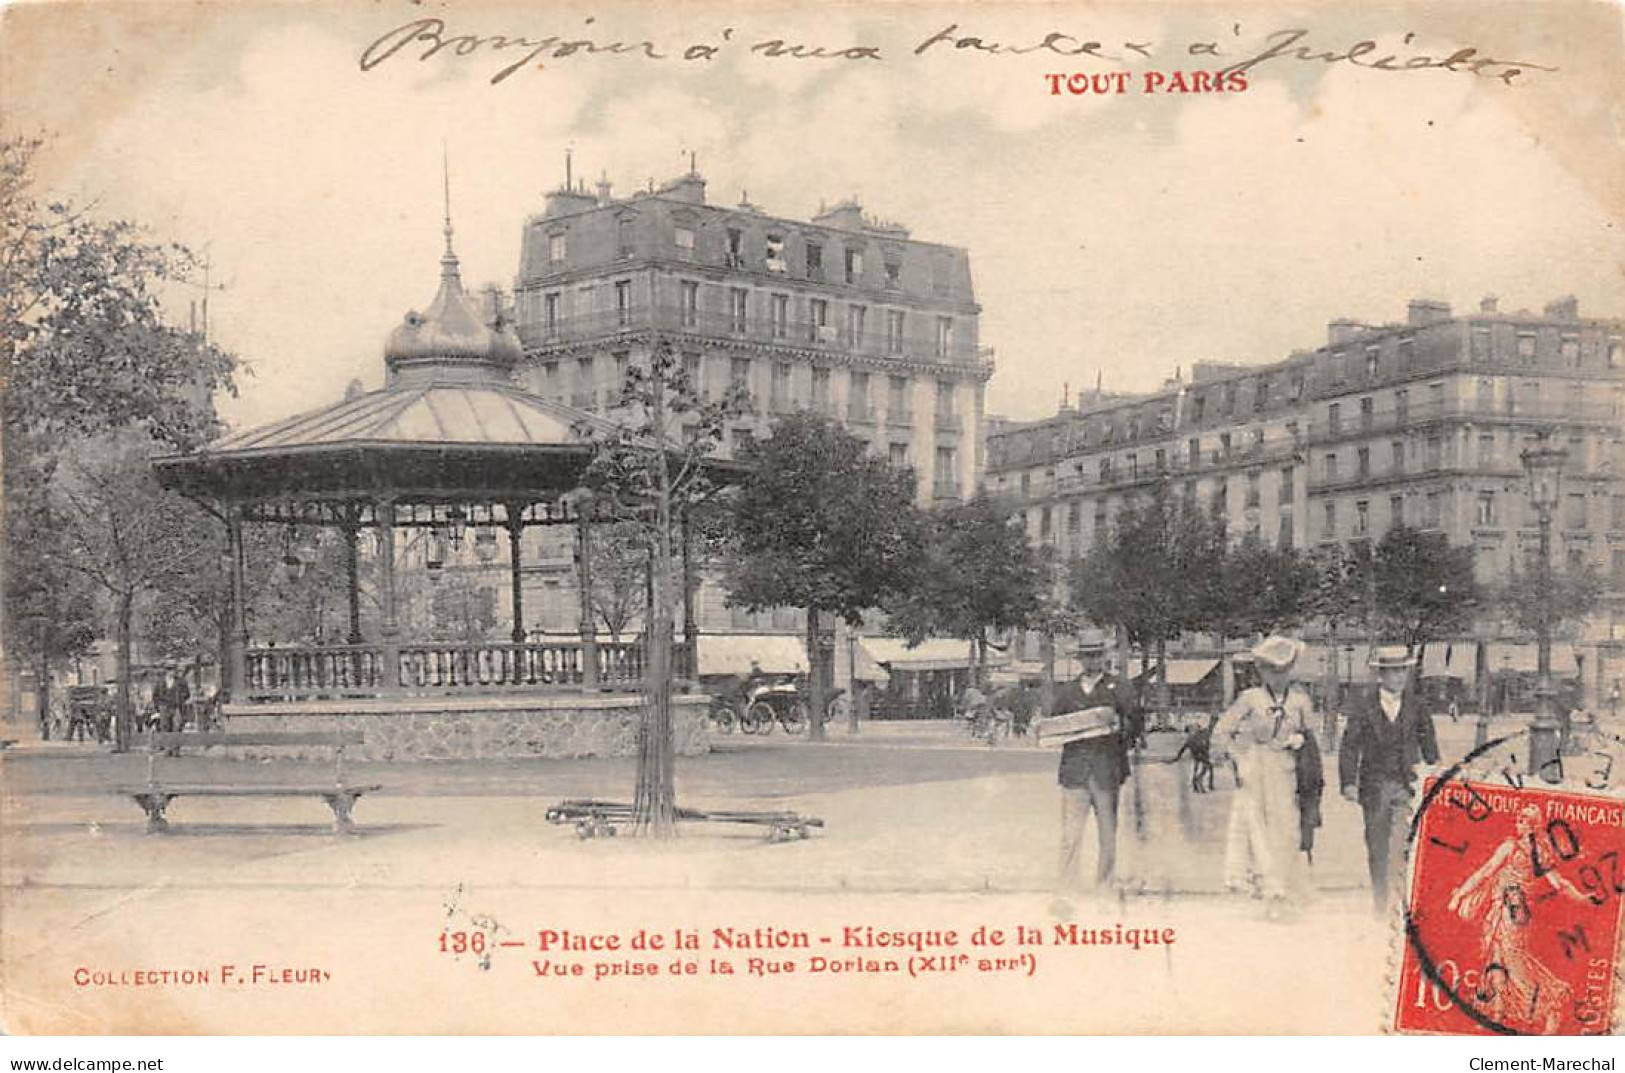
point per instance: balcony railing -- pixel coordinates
(915, 345)
(899, 417)
(945, 422)
(860, 413)
(1561, 411)
(304, 672)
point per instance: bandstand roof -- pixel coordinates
(450, 423)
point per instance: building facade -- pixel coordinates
(1419, 423)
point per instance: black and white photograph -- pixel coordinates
(731, 518)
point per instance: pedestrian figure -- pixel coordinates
(1199, 745)
(1093, 769)
(1386, 737)
(1265, 731)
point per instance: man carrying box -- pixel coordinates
(1097, 716)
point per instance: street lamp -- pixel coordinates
(1544, 463)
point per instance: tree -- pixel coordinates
(646, 473)
(822, 524)
(620, 574)
(462, 609)
(1153, 575)
(977, 573)
(1533, 600)
(1265, 588)
(1425, 588)
(127, 535)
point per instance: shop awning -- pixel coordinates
(731, 653)
(1181, 672)
(934, 654)
(1505, 657)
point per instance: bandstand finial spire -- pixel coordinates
(448, 260)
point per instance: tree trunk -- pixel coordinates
(816, 694)
(42, 692)
(655, 805)
(124, 717)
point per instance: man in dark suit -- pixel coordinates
(1386, 737)
(1093, 769)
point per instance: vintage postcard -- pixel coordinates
(574, 517)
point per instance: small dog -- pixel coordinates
(1199, 744)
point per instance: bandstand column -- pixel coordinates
(351, 531)
(589, 633)
(237, 658)
(516, 531)
(389, 627)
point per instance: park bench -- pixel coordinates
(156, 795)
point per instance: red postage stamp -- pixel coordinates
(1513, 914)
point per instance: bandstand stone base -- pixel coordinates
(469, 728)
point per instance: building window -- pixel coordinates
(623, 302)
(1328, 520)
(1402, 407)
(738, 310)
(1396, 511)
(894, 273)
(815, 261)
(558, 247)
(736, 248)
(897, 455)
(739, 378)
(894, 331)
(945, 404)
(1194, 447)
(779, 396)
(818, 327)
(857, 397)
(623, 363)
(779, 315)
(1362, 518)
(1283, 535)
(1289, 476)
(1616, 353)
(1371, 362)
(855, 316)
(550, 312)
(945, 336)
(1334, 418)
(1574, 510)
(1198, 408)
(1254, 494)
(743, 440)
(820, 389)
(1486, 394)
(1074, 517)
(1434, 505)
(1435, 451)
(1397, 462)
(1407, 353)
(623, 237)
(897, 399)
(1230, 398)
(684, 238)
(586, 393)
(1486, 508)
(1133, 465)
(774, 256)
(1481, 343)
(694, 372)
(1367, 413)
(1221, 496)
(1331, 467)
(1340, 367)
(1224, 444)
(854, 264)
(1296, 393)
(1486, 450)
(1570, 349)
(1046, 532)
(1362, 462)
(1526, 347)
(691, 303)
(1026, 485)
(1616, 512)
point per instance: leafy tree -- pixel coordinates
(127, 535)
(822, 524)
(1532, 599)
(1425, 588)
(620, 565)
(1266, 588)
(977, 573)
(646, 473)
(1153, 576)
(462, 609)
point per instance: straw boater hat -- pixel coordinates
(1277, 651)
(1089, 643)
(1384, 657)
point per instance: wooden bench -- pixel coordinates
(156, 795)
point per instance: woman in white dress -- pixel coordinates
(1263, 731)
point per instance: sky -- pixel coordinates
(1116, 236)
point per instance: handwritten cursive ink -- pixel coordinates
(432, 33)
(1281, 45)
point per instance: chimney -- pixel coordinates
(1564, 308)
(1342, 330)
(690, 188)
(1489, 304)
(1427, 311)
(843, 216)
(603, 188)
